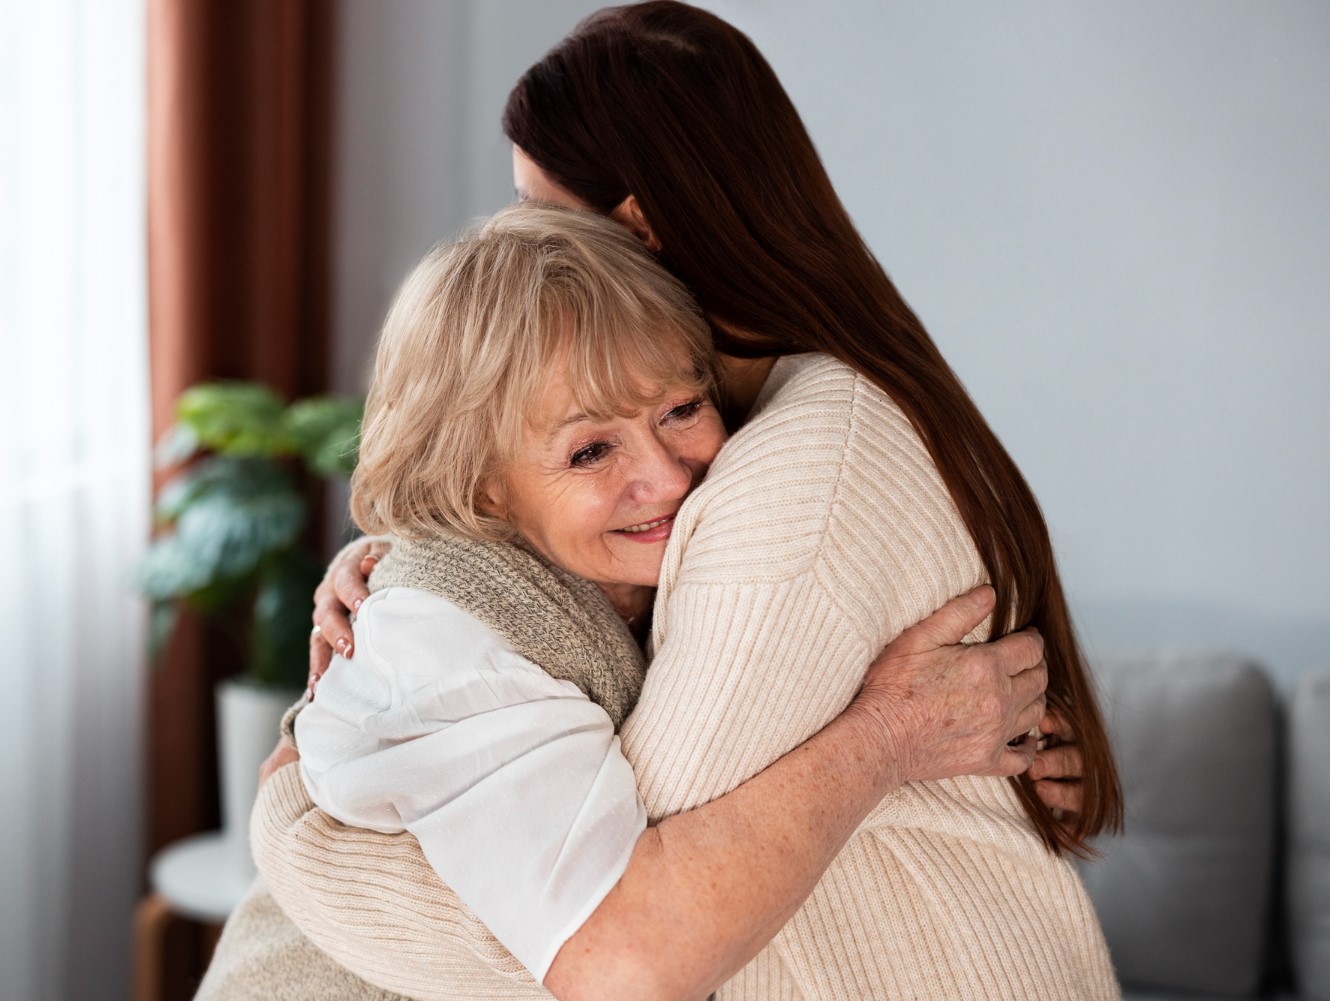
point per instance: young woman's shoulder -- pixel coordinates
(828, 477)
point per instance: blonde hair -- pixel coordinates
(471, 340)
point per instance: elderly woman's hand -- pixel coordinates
(953, 709)
(339, 594)
(1058, 767)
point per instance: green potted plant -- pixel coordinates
(233, 548)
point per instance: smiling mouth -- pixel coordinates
(647, 526)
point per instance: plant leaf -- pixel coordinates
(175, 446)
(231, 534)
(229, 515)
(281, 619)
(326, 432)
(170, 570)
(220, 475)
(235, 418)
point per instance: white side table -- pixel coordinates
(200, 878)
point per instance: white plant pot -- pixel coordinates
(248, 716)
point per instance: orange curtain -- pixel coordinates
(239, 112)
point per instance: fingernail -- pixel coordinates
(309, 692)
(355, 605)
(343, 646)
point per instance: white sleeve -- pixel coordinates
(512, 781)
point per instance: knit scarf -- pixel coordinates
(562, 623)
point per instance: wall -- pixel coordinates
(421, 86)
(1113, 218)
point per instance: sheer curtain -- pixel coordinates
(74, 493)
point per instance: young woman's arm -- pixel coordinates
(715, 883)
(1057, 768)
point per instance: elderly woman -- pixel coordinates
(540, 410)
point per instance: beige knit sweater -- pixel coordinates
(822, 531)
(261, 954)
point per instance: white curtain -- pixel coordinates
(74, 493)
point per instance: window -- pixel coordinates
(74, 491)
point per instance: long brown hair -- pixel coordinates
(673, 105)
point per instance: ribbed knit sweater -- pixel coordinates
(822, 531)
(261, 954)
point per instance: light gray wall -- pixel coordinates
(400, 148)
(1113, 218)
(419, 152)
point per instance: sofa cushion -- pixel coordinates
(1185, 894)
(1308, 867)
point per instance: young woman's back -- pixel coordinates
(822, 531)
(668, 119)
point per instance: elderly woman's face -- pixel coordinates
(598, 497)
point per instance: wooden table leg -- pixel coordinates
(151, 919)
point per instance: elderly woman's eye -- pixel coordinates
(685, 411)
(589, 455)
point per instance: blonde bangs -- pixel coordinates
(610, 374)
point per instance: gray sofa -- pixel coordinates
(1221, 886)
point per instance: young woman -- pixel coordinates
(861, 491)
(540, 411)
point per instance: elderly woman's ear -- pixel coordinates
(492, 500)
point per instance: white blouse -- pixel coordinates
(512, 781)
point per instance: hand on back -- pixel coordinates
(954, 709)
